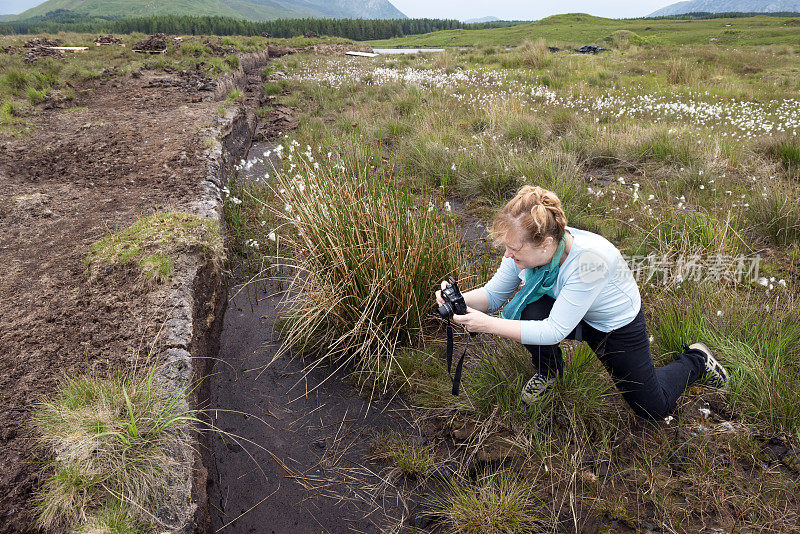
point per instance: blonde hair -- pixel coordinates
(536, 212)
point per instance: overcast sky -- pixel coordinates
(526, 9)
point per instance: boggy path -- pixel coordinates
(296, 464)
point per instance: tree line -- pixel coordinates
(355, 29)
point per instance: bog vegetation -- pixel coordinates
(683, 156)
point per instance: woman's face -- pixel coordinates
(524, 253)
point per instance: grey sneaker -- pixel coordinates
(715, 375)
(535, 388)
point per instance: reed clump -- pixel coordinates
(367, 251)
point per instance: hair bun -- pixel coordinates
(535, 211)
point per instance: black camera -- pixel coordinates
(454, 303)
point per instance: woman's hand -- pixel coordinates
(439, 299)
(475, 321)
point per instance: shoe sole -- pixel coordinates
(529, 399)
(713, 362)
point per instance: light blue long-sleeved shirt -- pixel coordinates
(594, 283)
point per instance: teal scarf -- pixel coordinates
(538, 281)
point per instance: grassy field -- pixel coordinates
(686, 157)
(576, 29)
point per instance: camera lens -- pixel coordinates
(445, 310)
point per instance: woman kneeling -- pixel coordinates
(576, 285)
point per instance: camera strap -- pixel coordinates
(455, 378)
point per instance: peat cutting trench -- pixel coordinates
(290, 456)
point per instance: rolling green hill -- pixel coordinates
(249, 9)
(580, 29)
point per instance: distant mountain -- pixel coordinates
(728, 6)
(248, 9)
(482, 19)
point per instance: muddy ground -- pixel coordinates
(124, 150)
(291, 454)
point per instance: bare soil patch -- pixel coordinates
(126, 149)
(292, 456)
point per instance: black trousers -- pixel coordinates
(625, 353)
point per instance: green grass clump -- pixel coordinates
(526, 130)
(414, 460)
(195, 48)
(36, 96)
(530, 54)
(9, 116)
(15, 81)
(116, 519)
(370, 251)
(152, 242)
(763, 358)
(775, 214)
(684, 232)
(784, 150)
(624, 39)
(755, 341)
(272, 88)
(657, 145)
(114, 441)
(503, 369)
(234, 97)
(408, 102)
(232, 60)
(497, 503)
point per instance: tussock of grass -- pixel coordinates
(497, 503)
(112, 520)
(775, 214)
(152, 242)
(369, 251)
(494, 386)
(234, 97)
(114, 441)
(531, 54)
(271, 88)
(15, 80)
(408, 102)
(526, 130)
(684, 233)
(660, 146)
(764, 360)
(681, 72)
(414, 460)
(783, 149)
(761, 353)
